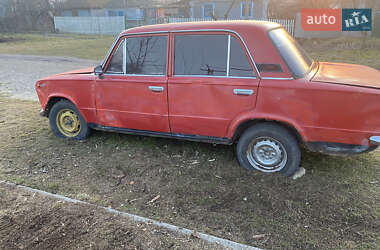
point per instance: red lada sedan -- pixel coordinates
(220, 82)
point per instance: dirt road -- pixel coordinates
(20, 72)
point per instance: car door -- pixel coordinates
(132, 93)
(212, 81)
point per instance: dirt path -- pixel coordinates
(32, 221)
(19, 73)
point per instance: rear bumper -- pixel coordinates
(375, 140)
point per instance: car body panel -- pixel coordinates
(127, 102)
(79, 89)
(207, 105)
(349, 74)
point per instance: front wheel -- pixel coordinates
(269, 148)
(67, 122)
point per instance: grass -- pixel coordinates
(201, 186)
(345, 49)
(69, 45)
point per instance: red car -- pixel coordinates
(224, 82)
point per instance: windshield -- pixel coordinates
(295, 57)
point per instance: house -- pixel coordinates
(3, 7)
(132, 10)
(224, 9)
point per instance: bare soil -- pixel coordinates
(32, 221)
(197, 186)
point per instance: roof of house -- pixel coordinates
(210, 25)
(112, 4)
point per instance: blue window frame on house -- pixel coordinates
(243, 6)
(208, 9)
(112, 13)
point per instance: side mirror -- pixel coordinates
(98, 71)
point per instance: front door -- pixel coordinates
(212, 82)
(133, 90)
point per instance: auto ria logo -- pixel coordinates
(336, 19)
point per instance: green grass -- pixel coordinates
(70, 45)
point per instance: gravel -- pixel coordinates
(19, 73)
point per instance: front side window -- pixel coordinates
(140, 56)
(116, 63)
(201, 55)
(208, 10)
(146, 55)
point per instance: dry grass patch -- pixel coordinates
(70, 45)
(199, 186)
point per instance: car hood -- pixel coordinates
(347, 74)
(79, 71)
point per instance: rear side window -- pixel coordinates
(201, 55)
(116, 63)
(146, 55)
(239, 63)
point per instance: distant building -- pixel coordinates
(3, 7)
(132, 10)
(217, 9)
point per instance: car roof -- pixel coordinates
(236, 26)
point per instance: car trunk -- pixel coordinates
(347, 74)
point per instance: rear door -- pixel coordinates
(133, 92)
(212, 81)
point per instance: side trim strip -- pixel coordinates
(197, 138)
(277, 78)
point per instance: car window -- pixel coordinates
(146, 55)
(116, 63)
(295, 57)
(201, 55)
(239, 62)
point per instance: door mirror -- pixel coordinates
(98, 70)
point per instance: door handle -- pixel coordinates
(156, 88)
(243, 92)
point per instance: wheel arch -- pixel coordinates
(242, 126)
(53, 100)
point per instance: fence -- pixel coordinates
(114, 25)
(90, 25)
(287, 23)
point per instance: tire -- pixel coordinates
(67, 122)
(269, 148)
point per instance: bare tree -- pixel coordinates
(30, 14)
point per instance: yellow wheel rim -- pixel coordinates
(68, 123)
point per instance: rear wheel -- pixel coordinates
(67, 122)
(269, 148)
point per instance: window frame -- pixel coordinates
(242, 14)
(216, 32)
(203, 10)
(117, 47)
(122, 39)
